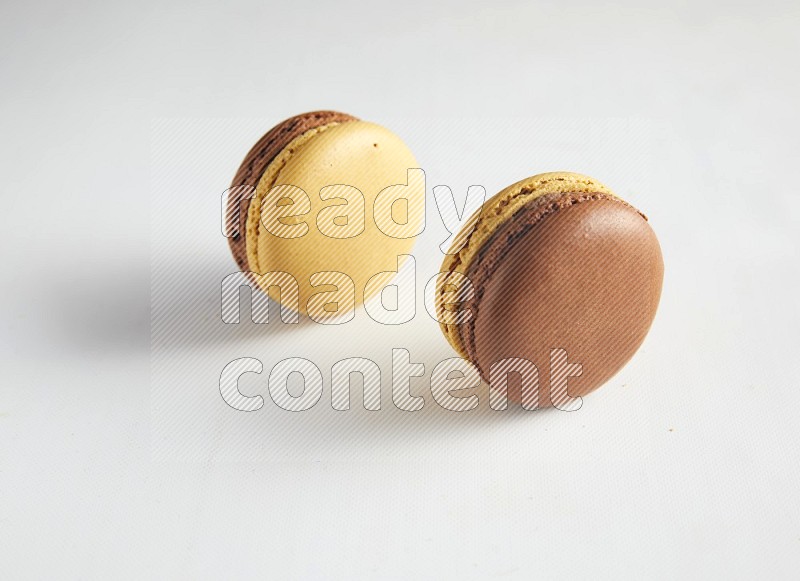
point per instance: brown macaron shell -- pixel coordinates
(255, 164)
(580, 272)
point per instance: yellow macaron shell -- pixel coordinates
(359, 154)
(493, 214)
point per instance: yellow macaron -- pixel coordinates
(331, 204)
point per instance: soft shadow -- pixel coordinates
(321, 432)
(133, 309)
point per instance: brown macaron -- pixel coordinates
(564, 273)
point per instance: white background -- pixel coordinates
(684, 465)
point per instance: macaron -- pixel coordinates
(563, 273)
(306, 202)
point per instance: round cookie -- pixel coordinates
(557, 262)
(303, 202)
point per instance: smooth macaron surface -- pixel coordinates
(340, 167)
(255, 163)
(557, 261)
